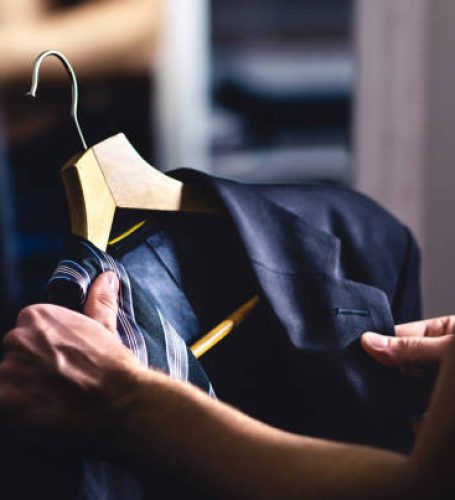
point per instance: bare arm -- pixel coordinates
(20, 11)
(143, 419)
(432, 458)
(99, 38)
(234, 456)
(420, 344)
(228, 452)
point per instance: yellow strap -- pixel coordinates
(127, 233)
(217, 334)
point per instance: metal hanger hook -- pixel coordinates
(75, 90)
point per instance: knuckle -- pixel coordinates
(25, 314)
(14, 338)
(410, 350)
(444, 327)
(450, 325)
(109, 325)
(440, 327)
(107, 300)
(30, 315)
(403, 349)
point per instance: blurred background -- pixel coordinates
(356, 93)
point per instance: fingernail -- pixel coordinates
(376, 341)
(113, 281)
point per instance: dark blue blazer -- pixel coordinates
(330, 264)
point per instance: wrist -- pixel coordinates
(135, 415)
(115, 399)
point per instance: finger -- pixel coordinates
(435, 327)
(405, 351)
(101, 304)
(29, 316)
(13, 342)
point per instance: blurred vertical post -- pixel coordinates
(390, 105)
(439, 182)
(9, 282)
(405, 128)
(182, 100)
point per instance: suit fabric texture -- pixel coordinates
(153, 341)
(328, 264)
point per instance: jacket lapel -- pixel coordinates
(297, 268)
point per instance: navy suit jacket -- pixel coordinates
(330, 264)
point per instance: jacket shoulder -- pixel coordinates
(376, 248)
(329, 208)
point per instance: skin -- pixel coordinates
(418, 343)
(83, 33)
(103, 40)
(58, 363)
(67, 377)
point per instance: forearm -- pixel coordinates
(434, 454)
(105, 37)
(19, 11)
(178, 427)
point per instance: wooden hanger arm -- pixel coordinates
(112, 175)
(90, 202)
(136, 184)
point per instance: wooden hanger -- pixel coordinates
(111, 175)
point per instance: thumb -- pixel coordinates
(101, 304)
(405, 351)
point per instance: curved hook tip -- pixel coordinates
(71, 73)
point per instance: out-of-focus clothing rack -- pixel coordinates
(283, 74)
(258, 90)
(9, 282)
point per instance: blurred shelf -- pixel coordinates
(286, 164)
(237, 20)
(283, 75)
(317, 70)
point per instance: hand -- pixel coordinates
(63, 373)
(416, 344)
